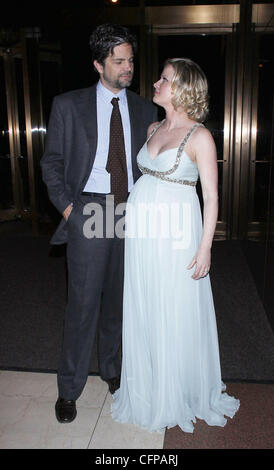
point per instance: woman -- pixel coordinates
(171, 368)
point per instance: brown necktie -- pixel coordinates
(116, 164)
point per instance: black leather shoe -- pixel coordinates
(65, 410)
(113, 384)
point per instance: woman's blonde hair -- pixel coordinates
(189, 87)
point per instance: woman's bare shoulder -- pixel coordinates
(203, 144)
(151, 127)
(202, 136)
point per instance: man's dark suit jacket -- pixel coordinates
(72, 141)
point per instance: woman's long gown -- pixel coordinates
(170, 368)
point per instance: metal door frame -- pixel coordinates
(29, 51)
(13, 130)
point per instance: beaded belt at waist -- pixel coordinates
(161, 175)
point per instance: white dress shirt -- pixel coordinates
(99, 179)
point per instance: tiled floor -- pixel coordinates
(27, 419)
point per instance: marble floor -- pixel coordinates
(27, 418)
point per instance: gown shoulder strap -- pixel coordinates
(182, 145)
(155, 129)
(198, 124)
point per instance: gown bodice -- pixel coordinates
(172, 165)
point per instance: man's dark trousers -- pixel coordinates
(95, 297)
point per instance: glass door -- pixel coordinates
(30, 75)
(12, 135)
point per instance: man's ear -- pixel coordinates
(99, 67)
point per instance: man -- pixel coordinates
(90, 155)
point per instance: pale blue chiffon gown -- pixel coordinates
(170, 365)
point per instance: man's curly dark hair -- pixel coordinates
(107, 36)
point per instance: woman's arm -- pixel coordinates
(206, 159)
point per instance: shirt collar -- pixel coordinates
(107, 94)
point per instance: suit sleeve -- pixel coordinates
(52, 162)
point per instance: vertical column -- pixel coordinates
(269, 252)
(143, 52)
(32, 96)
(229, 114)
(148, 55)
(14, 139)
(242, 129)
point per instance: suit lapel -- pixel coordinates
(87, 108)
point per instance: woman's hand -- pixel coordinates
(202, 260)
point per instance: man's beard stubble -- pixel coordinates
(119, 83)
